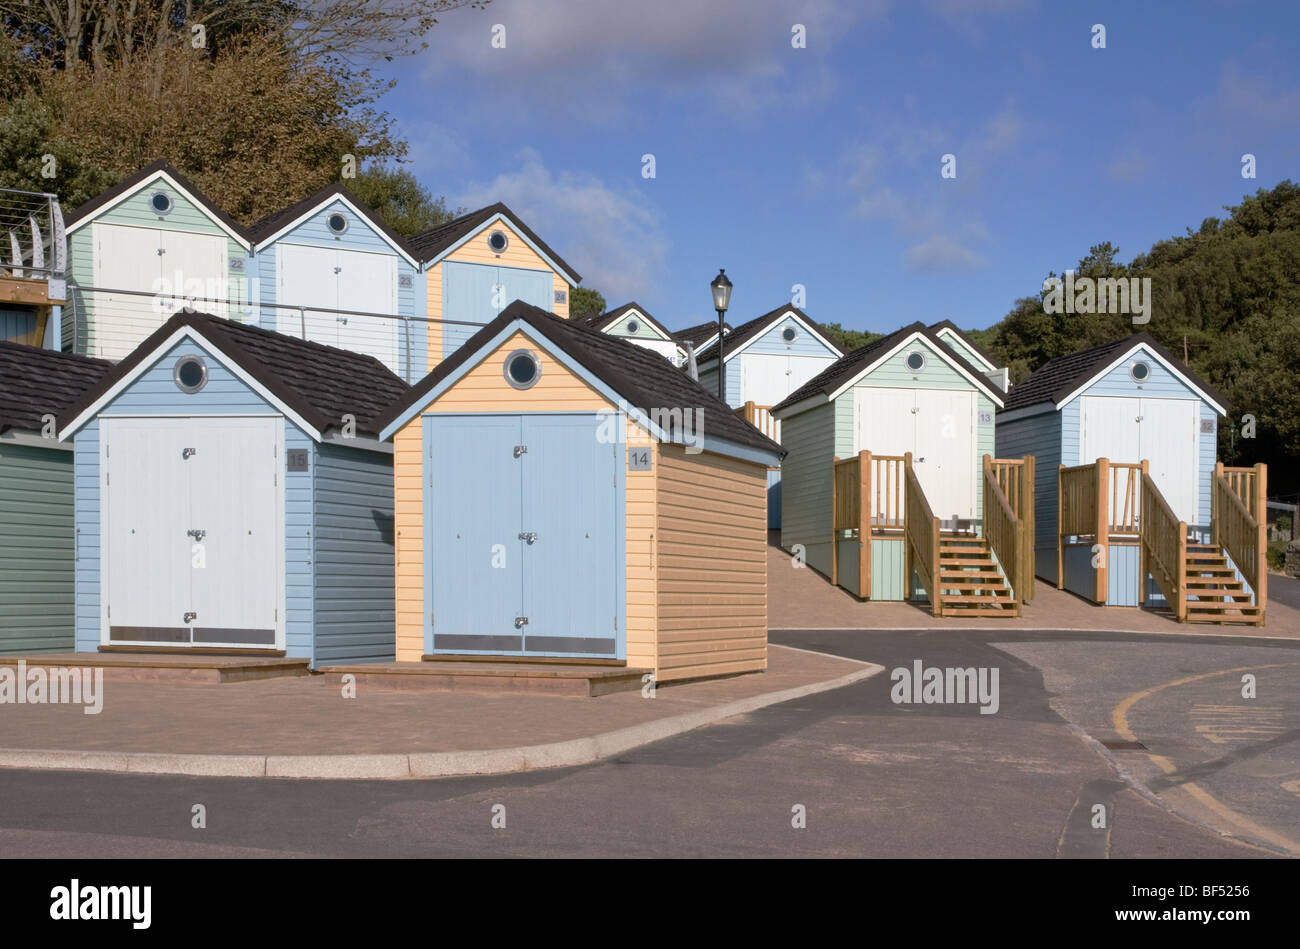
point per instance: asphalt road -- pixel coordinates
(873, 777)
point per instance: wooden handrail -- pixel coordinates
(1164, 547)
(760, 416)
(1002, 529)
(1237, 530)
(921, 540)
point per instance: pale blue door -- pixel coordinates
(573, 524)
(477, 293)
(473, 565)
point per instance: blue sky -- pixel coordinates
(821, 166)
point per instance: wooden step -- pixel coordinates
(966, 562)
(970, 591)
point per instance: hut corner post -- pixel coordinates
(1261, 508)
(1142, 547)
(864, 525)
(1103, 528)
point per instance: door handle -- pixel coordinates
(197, 534)
(521, 622)
(528, 536)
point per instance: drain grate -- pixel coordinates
(1117, 745)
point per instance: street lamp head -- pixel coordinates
(721, 288)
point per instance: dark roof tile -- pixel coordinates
(39, 382)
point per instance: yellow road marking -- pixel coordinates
(1119, 717)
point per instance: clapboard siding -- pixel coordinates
(642, 565)
(804, 344)
(483, 388)
(354, 555)
(937, 374)
(36, 549)
(806, 484)
(408, 512)
(86, 486)
(299, 566)
(712, 565)
(965, 351)
(1040, 436)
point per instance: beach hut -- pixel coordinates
(478, 263)
(889, 485)
(232, 495)
(633, 322)
(561, 493)
(330, 270)
(1132, 507)
(37, 544)
(138, 251)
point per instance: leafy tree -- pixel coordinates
(849, 340)
(397, 196)
(585, 302)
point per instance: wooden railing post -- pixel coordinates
(864, 524)
(1180, 570)
(909, 590)
(936, 601)
(1261, 569)
(835, 534)
(1215, 514)
(1028, 496)
(1143, 566)
(1103, 527)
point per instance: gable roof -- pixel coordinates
(746, 332)
(273, 225)
(699, 334)
(318, 383)
(1058, 380)
(432, 244)
(975, 347)
(638, 375)
(844, 370)
(37, 382)
(110, 196)
(605, 320)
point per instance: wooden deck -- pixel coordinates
(202, 668)
(495, 674)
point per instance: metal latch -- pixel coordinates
(521, 622)
(191, 617)
(188, 452)
(529, 536)
(198, 535)
(520, 450)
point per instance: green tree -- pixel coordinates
(585, 302)
(849, 340)
(397, 196)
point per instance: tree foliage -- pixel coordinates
(585, 302)
(849, 340)
(397, 196)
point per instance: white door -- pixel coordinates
(145, 514)
(886, 420)
(126, 259)
(367, 283)
(235, 502)
(1169, 442)
(1110, 429)
(763, 378)
(194, 265)
(306, 281)
(944, 456)
(801, 369)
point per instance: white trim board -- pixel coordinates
(194, 199)
(315, 209)
(1128, 354)
(181, 334)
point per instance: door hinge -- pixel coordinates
(521, 450)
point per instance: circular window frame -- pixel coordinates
(329, 223)
(1133, 371)
(633, 326)
(190, 359)
(505, 241)
(171, 203)
(907, 361)
(537, 369)
(789, 335)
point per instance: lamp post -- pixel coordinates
(721, 288)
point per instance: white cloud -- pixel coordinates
(940, 253)
(610, 236)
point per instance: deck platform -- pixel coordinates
(202, 668)
(496, 674)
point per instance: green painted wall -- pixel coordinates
(806, 484)
(36, 549)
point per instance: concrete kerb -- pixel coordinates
(443, 764)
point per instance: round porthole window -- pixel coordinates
(161, 202)
(522, 369)
(336, 222)
(191, 374)
(498, 241)
(1139, 371)
(633, 326)
(916, 361)
(789, 333)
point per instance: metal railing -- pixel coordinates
(33, 245)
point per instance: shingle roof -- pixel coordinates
(321, 383)
(846, 367)
(1058, 377)
(605, 320)
(145, 173)
(747, 331)
(38, 382)
(984, 353)
(429, 244)
(640, 376)
(700, 333)
(273, 222)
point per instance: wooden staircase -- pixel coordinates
(970, 581)
(1212, 593)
